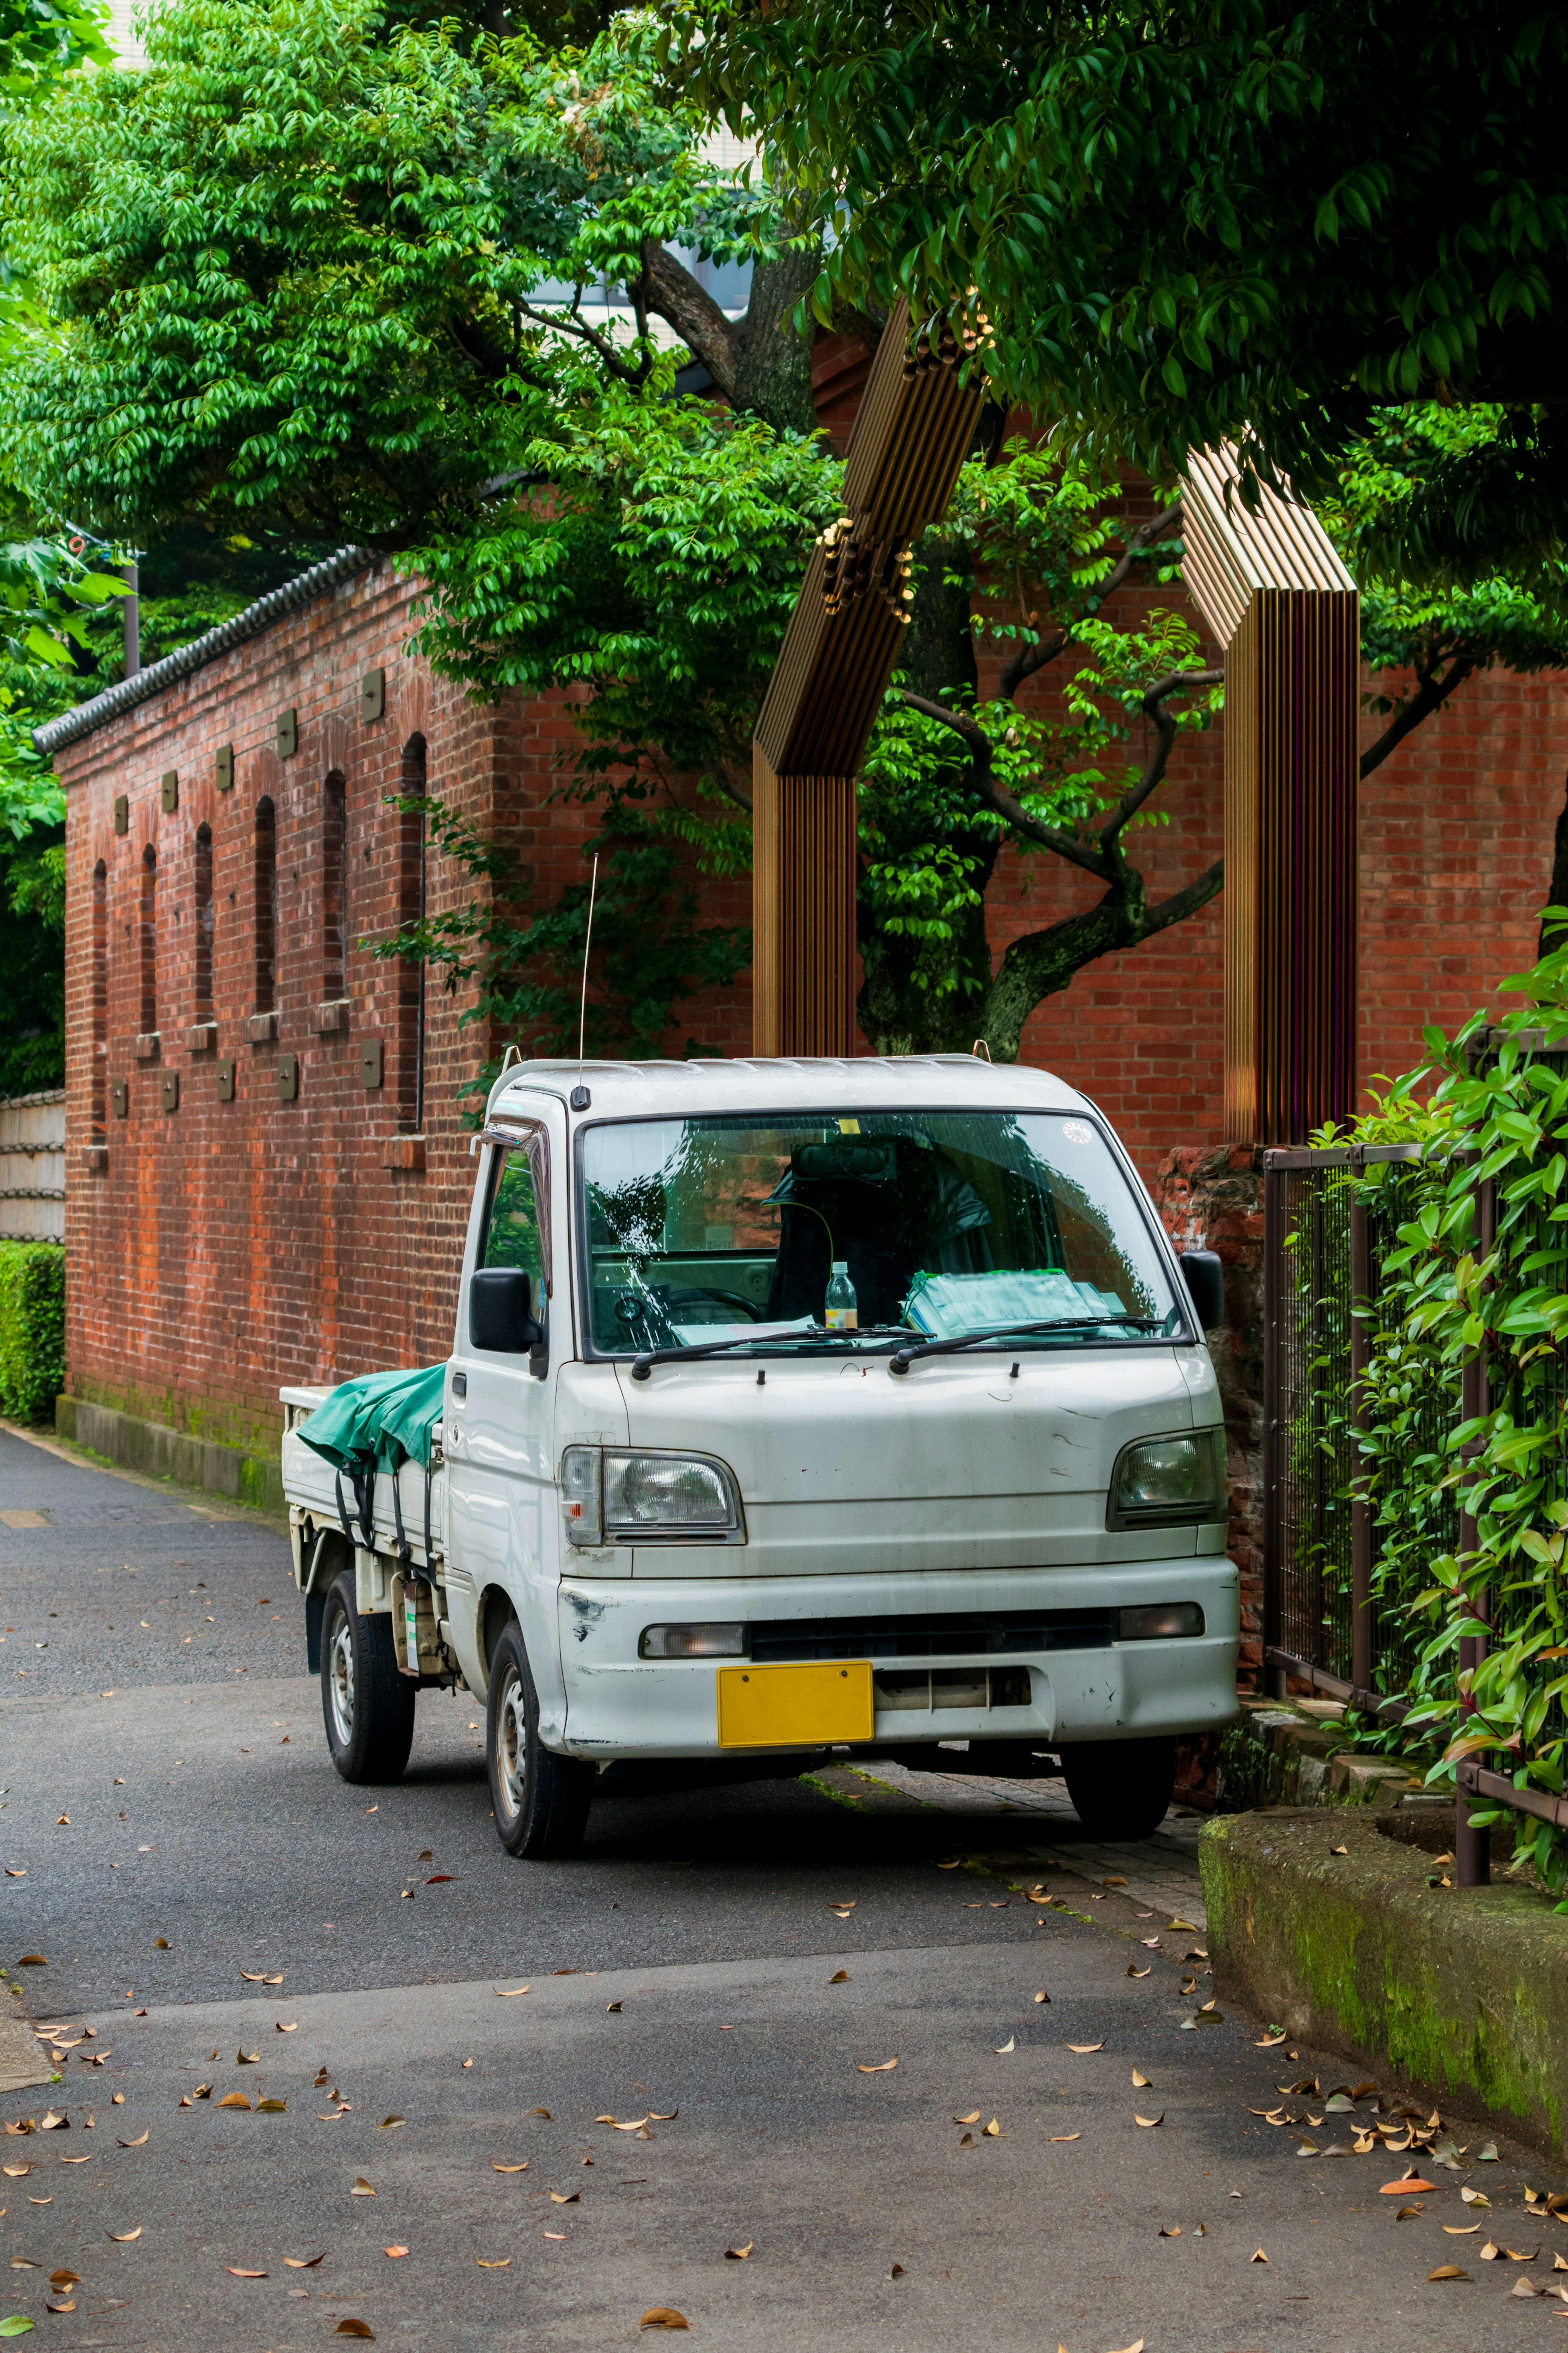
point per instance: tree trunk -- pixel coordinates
(896, 1012)
(770, 370)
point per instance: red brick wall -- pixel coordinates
(228, 1247)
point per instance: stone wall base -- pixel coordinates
(164, 1453)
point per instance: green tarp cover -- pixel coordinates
(386, 1417)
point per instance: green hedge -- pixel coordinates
(32, 1328)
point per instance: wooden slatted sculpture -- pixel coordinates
(914, 429)
(1270, 586)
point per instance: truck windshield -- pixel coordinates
(709, 1229)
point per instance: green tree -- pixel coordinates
(366, 312)
(1204, 221)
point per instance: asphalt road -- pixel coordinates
(201, 1808)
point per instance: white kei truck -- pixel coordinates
(681, 1511)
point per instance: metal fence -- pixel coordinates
(1323, 1249)
(1323, 1622)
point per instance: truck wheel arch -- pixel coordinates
(497, 1612)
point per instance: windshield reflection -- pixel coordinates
(804, 1230)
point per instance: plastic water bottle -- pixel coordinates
(843, 1311)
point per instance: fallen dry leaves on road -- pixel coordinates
(876, 2067)
(664, 2315)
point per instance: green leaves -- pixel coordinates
(1194, 225)
(1440, 1298)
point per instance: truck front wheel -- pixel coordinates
(367, 1706)
(541, 1799)
(1121, 1788)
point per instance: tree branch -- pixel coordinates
(635, 374)
(1164, 722)
(996, 797)
(674, 296)
(1183, 903)
(1029, 659)
(1430, 696)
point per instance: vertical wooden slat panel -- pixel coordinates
(1290, 865)
(915, 424)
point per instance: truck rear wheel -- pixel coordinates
(541, 1799)
(1121, 1788)
(367, 1706)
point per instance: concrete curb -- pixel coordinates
(22, 2061)
(1463, 1994)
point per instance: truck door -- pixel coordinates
(501, 1473)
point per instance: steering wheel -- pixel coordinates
(685, 1295)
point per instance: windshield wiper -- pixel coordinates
(646, 1358)
(904, 1357)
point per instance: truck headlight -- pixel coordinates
(1176, 1482)
(613, 1494)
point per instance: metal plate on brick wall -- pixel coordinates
(122, 813)
(170, 1091)
(171, 791)
(224, 767)
(372, 694)
(371, 1063)
(119, 1096)
(288, 1078)
(226, 1082)
(288, 738)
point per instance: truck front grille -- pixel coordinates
(959, 1635)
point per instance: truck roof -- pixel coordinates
(756, 1082)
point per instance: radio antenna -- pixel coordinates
(588, 945)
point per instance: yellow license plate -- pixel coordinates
(795, 1706)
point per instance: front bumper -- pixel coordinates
(620, 1705)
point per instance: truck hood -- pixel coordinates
(844, 1466)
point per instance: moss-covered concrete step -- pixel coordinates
(1462, 1991)
(1294, 1753)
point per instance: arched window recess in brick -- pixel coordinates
(411, 909)
(265, 894)
(98, 1107)
(334, 889)
(149, 942)
(204, 920)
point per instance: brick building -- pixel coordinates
(267, 1156)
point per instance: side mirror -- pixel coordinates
(1205, 1273)
(500, 1311)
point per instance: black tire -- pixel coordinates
(1121, 1788)
(541, 1799)
(367, 1706)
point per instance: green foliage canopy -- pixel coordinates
(1203, 221)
